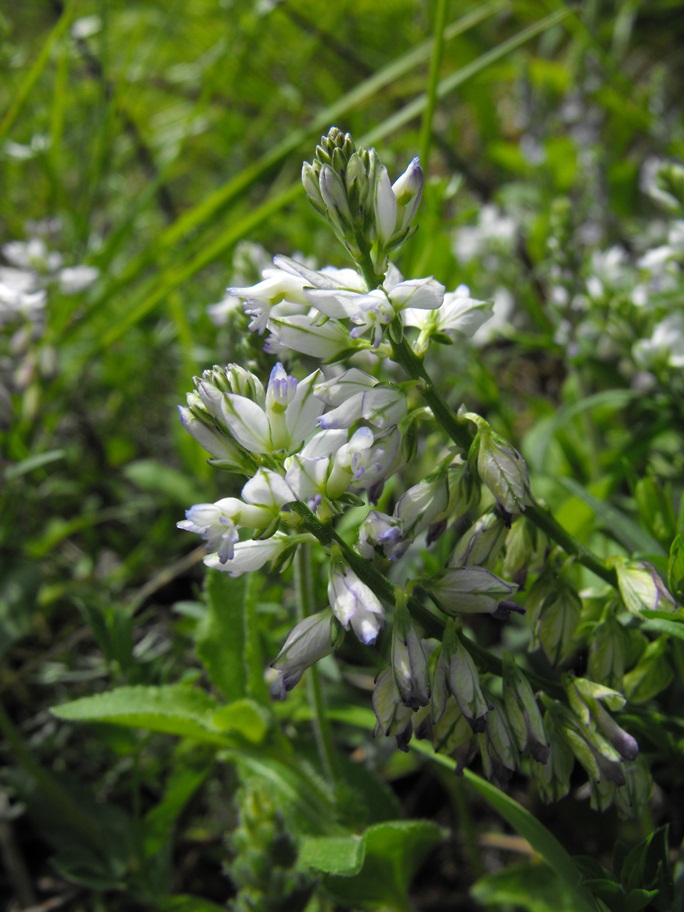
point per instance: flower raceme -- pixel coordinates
(308, 449)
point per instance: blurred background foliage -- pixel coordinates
(151, 141)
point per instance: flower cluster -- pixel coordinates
(309, 449)
(30, 273)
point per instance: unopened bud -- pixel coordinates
(310, 179)
(468, 590)
(557, 617)
(523, 712)
(408, 191)
(636, 792)
(337, 208)
(409, 665)
(501, 467)
(497, 746)
(310, 640)
(553, 777)
(608, 651)
(481, 544)
(641, 588)
(464, 680)
(393, 717)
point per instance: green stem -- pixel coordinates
(404, 355)
(433, 82)
(432, 624)
(52, 791)
(305, 607)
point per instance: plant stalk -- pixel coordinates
(304, 595)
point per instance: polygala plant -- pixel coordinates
(327, 454)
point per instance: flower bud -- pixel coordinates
(393, 717)
(408, 190)
(553, 777)
(464, 680)
(409, 665)
(310, 640)
(641, 588)
(501, 467)
(310, 181)
(557, 609)
(335, 141)
(599, 759)
(608, 652)
(523, 713)
(452, 734)
(337, 208)
(497, 746)
(586, 699)
(467, 590)
(423, 504)
(353, 603)
(636, 792)
(384, 207)
(481, 544)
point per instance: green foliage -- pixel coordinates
(149, 142)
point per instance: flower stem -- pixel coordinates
(305, 606)
(404, 355)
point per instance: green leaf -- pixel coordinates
(531, 886)
(625, 530)
(675, 569)
(392, 853)
(174, 486)
(19, 587)
(539, 837)
(185, 903)
(188, 772)
(228, 641)
(33, 462)
(651, 675)
(245, 718)
(175, 709)
(341, 855)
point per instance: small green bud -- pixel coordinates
(409, 665)
(608, 651)
(524, 715)
(500, 466)
(467, 590)
(481, 544)
(553, 777)
(310, 181)
(633, 797)
(497, 745)
(452, 735)
(393, 717)
(641, 588)
(464, 680)
(556, 618)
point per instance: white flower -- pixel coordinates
(74, 279)
(215, 523)
(310, 640)
(422, 505)
(252, 555)
(459, 314)
(666, 345)
(383, 531)
(289, 416)
(357, 395)
(301, 333)
(354, 604)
